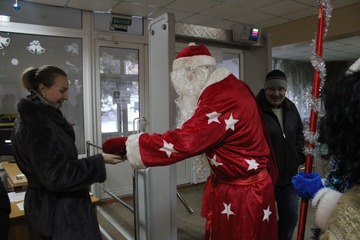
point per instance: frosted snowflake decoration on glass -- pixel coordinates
(73, 66)
(35, 47)
(73, 49)
(4, 42)
(14, 61)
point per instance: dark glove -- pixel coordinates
(115, 146)
(307, 184)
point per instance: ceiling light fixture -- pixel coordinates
(16, 6)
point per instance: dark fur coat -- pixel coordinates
(57, 202)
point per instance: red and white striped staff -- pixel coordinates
(318, 82)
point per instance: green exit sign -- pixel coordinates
(120, 24)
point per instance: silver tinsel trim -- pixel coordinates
(318, 63)
(310, 151)
(328, 14)
(310, 137)
(314, 103)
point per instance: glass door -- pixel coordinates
(119, 94)
(119, 91)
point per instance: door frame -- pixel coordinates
(96, 92)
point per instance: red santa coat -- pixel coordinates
(238, 200)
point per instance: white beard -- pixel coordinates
(186, 107)
(189, 85)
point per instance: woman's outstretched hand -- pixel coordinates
(112, 158)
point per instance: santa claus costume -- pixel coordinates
(225, 126)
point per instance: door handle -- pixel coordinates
(140, 123)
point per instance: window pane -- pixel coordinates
(231, 61)
(119, 84)
(20, 51)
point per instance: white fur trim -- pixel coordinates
(133, 151)
(354, 67)
(318, 196)
(325, 201)
(193, 62)
(217, 76)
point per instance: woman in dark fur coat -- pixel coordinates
(57, 202)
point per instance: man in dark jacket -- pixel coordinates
(286, 133)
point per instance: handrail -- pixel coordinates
(118, 199)
(186, 205)
(88, 144)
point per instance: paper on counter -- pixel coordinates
(16, 196)
(20, 205)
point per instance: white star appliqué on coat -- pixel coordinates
(213, 117)
(227, 210)
(267, 213)
(214, 162)
(230, 123)
(168, 148)
(252, 164)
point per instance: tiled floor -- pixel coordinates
(193, 197)
(190, 226)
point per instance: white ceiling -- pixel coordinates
(225, 13)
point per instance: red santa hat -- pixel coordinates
(193, 56)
